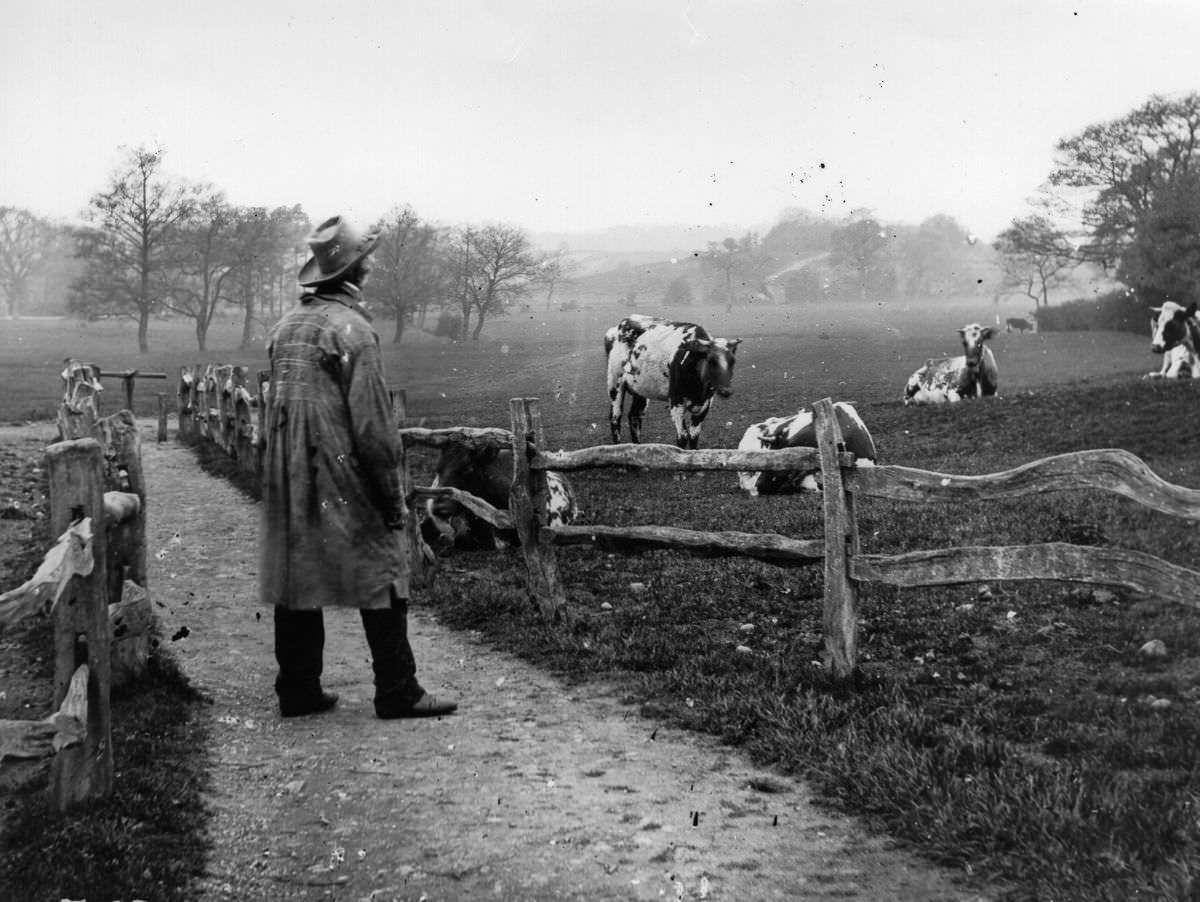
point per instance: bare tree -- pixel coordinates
(409, 272)
(202, 258)
(132, 223)
(1036, 256)
(555, 272)
(26, 242)
(493, 268)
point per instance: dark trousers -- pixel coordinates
(300, 645)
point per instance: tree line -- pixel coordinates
(154, 245)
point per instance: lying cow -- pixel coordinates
(486, 473)
(972, 374)
(1175, 333)
(652, 358)
(799, 431)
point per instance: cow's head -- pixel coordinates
(973, 337)
(1169, 325)
(716, 357)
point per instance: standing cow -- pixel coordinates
(486, 473)
(668, 361)
(972, 374)
(799, 431)
(1175, 333)
(1019, 323)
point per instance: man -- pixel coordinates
(333, 509)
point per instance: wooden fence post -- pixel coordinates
(841, 593)
(162, 417)
(75, 471)
(527, 503)
(422, 560)
(128, 377)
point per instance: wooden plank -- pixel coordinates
(64, 729)
(1136, 570)
(657, 456)
(470, 436)
(1107, 469)
(476, 505)
(841, 594)
(769, 547)
(71, 555)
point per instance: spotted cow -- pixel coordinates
(652, 358)
(1175, 333)
(799, 431)
(972, 374)
(486, 473)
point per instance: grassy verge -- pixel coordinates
(147, 840)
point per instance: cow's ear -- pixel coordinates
(1191, 310)
(734, 342)
(987, 333)
(1156, 310)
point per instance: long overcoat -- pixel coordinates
(332, 506)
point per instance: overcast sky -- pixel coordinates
(565, 115)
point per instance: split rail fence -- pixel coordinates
(93, 582)
(839, 549)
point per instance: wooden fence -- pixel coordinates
(97, 505)
(81, 404)
(838, 550)
(215, 403)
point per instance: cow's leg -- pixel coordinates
(637, 407)
(616, 396)
(687, 424)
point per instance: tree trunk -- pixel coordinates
(399, 333)
(144, 329)
(248, 323)
(478, 327)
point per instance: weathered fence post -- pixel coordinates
(421, 557)
(127, 377)
(527, 503)
(841, 593)
(77, 490)
(162, 417)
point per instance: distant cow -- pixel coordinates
(1175, 333)
(667, 361)
(486, 473)
(798, 431)
(1019, 323)
(972, 374)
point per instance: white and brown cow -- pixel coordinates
(799, 431)
(972, 374)
(680, 363)
(1175, 333)
(486, 473)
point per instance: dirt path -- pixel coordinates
(532, 791)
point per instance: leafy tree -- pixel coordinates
(1163, 259)
(410, 272)
(738, 260)
(930, 255)
(493, 267)
(1134, 174)
(859, 249)
(1035, 256)
(26, 243)
(124, 247)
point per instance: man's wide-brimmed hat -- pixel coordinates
(336, 246)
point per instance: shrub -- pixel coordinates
(1116, 311)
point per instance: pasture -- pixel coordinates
(1012, 730)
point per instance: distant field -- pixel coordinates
(791, 355)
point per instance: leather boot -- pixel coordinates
(299, 648)
(397, 690)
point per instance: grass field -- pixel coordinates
(1012, 730)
